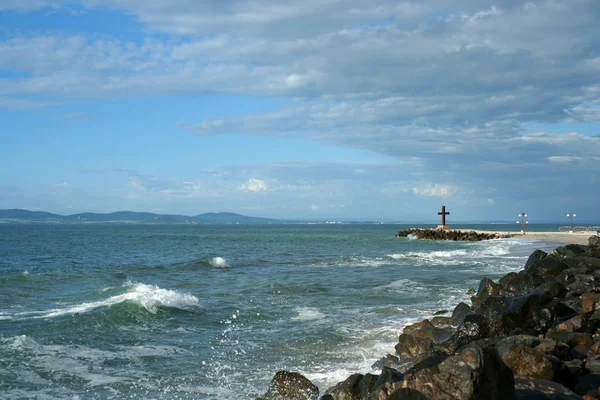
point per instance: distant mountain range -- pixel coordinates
(131, 217)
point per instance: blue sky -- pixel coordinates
(369, 110)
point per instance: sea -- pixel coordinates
(105, 311)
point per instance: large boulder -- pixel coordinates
(568, 251)
(474, 327)
(459, 313)
(515, 282)
(426, 330)
(474, 373)
(356, 387)
(525, 361)
(409, 346)
(530, 310)
(544, 266)
(487, 288)
(291, 386)
(388, 382)
(527, 388)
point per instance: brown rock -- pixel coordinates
(356, 387)
(409, 346)
(291, 386)
(474, 373)
(588, 303)
(525, 361)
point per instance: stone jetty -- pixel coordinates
(530, 335)
(439, 234)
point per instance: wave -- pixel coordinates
(215, 262)
(20, 277)
(150, 297)
(403, 285)
(308, 314)
(218, 262)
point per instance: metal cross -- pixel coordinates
(443, 214)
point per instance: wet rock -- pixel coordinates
(356, 387)
(587, 383)
(409, 346)
(474, 327)
(474, 373)
(571, 325)
(571, 338)
(426, 330)
(568, 251)
(516, 282)
(387, 361)
(544, 266)
(525, 361)
(593, 366)
(487, 288)
(291, 386)
(582, 284)
(534, 257)
(555, 288)
(405, 394)
(441, 322)
(389, 381)
(594, 241)
(531, 309)
(459, 313)
(538, 389)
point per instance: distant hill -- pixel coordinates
(232, 218)
(25, 216)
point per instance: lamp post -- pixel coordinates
(571, 216)
(523, 217)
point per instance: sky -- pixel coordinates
(313, 109)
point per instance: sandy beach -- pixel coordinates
(558, 237)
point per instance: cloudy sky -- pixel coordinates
(312, 109)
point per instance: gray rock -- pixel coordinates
(474, 373)
(539, 389)
(356, 387)
(459, 313)
(525, 361)
(291, 386)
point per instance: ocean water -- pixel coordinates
(212, 312)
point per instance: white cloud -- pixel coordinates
(451, 87)
(563, 159)
(255, 185)
(62, 185)
(437, 190)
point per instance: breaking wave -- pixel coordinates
(308, 314)
(218, 262)
(149, 297)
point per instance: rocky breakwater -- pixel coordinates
(531, 335)
(440, 234)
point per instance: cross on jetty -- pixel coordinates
(443, 213)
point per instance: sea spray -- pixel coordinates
(218, 262)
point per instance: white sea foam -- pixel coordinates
(219, 262)
(308, 314)
(83, 362)
(402, 285)
(148, 296)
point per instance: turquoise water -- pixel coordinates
(212, 312)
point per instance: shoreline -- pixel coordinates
(556, 237)
(534, 334)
